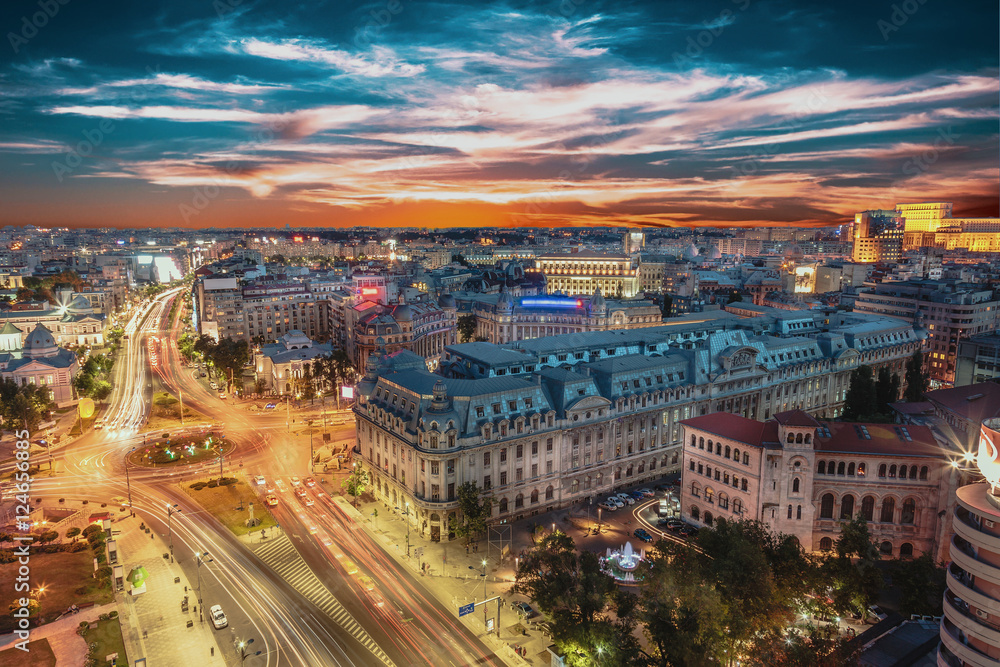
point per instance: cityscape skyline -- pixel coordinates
(527, 114)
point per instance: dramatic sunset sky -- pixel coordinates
(412, 113)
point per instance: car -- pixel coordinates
(222, 395)
(524, 609)
(607, 506)
(688, 531)
(300, 492)
(310, 482)
(213, 385)
(366, 582)
(272, 501)
(308, 501)
(637, 495)
(876, 612)
(625, 498)
(259, 480)
(614, 500)
(346, 563)
(219, 619)
(99, 424)
(647, 493)
(377, 598)
(296, 481)
(203, 375)
(642, 534)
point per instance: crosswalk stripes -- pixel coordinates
(282, 557)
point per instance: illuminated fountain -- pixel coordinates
(622, 563)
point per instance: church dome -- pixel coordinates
(402, 313)
(40, 343)
(691, 252)
(446, 300)
(597, 302)
(794, 251)
(505, 302)
(714, 253)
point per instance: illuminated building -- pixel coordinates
(924, 217)
(969, 634)
(950, 311)
(282, 365)
(585, 271)
(502, 319)
(932, 225)
(422, 328)
(40, 362)
(545, 423)
(633, 242)
(877, 236)
(804, 477)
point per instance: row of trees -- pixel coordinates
(24, 406)
(43, 289)
(94, 377)
(733, 597)
(226, 356)
(869, 395)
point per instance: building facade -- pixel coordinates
(40, 361)
(978, 359)
(585, 271)
(544, 423)
(424, 328)
(877, 236)
(803, 477)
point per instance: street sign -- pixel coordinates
(466, 609)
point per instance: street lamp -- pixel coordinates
(484, 579)
(201, 559)
(127, 482)
(171, 510)
(407, 513)
(243, 647)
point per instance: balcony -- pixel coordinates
(961, 583)
(957, 611)
(958, 648)
(971, 533)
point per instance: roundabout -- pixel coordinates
(180, 450)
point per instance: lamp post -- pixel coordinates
(243, 647)
(171, 510)
(484, 579)
(221, 458)
(128, 483)
(201, 559)
(407, 513)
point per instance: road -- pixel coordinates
(313, 616)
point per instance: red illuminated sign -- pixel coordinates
(369, 291)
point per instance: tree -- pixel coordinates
(356, 483)
(308, 383)
(861, 395)
(734, 297)
(466, 327)
(578, 595)
(851, 569)
(921, 584)
(337, 369)
(886, 389)
(24, 406)
(916, 380)
(475, 509)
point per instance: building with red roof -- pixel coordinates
(803, 477)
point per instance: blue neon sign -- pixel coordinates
(551, 302)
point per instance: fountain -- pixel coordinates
(622, 563)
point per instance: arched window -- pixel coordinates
(791, 438)
(868, 508)
(736, 454)
(737, 506)
(892, 471)
(850, 469)
(549, 492)
(913, 475)
(746, 459)
(723, 501)
(826, 506)
(519, 500)
(729, 452)
(798, 438)
(826, 544)
(923, 473)
(881, 470)
(861, 470)
(503, 506)
(909, 511)
(701, 443)
(789, 511)
(743, 484)
(718, 448)
(798, 511)
(695, 489)
(905, 550)
(534, 496)
(693, 440)
(847, 507)
(709, 495)
(808, 438)
(695, 512)
(708, 518)
(840, 468)
(886, 548)
(821, 470)
(902, 472)
(795, 485)
(888, 510)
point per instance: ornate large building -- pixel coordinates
(503, 319)
(40, 361)
(803, 477)
(585, 271)
(547, 422)
(424, 328)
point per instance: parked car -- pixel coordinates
(876, 612)
(213, 385)
(642, 534)
(688, 531)
(626, 498)
(648, 493)
(607, 506)
(219, 619)
(616, 501)
(636, 495)
(203, 375)
(524, 609)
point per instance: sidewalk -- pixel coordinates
(153, 625)
(68, 647)
(454, 576)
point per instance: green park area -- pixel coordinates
(229, 502)
(166, 412)
(65, 579)
(104, 639)
(181, 449)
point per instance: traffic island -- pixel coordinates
(230, 502)
(181, 449)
